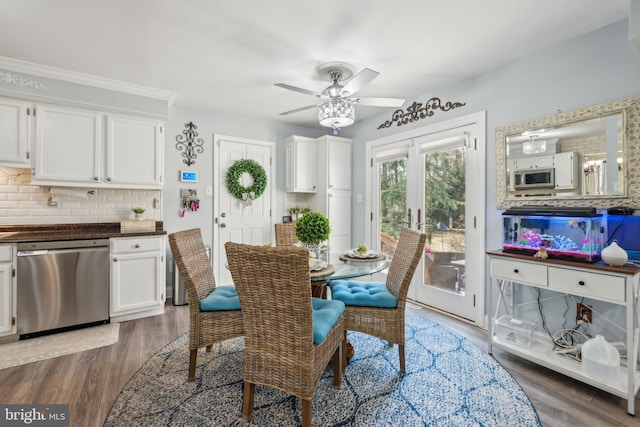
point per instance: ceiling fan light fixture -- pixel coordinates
(336, 113)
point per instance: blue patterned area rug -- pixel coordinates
(449, 382)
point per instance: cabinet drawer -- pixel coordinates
(6, 253)
(601, 286)
(520, 272)
(137, 244)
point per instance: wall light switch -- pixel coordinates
(208, 190)
(359, 197)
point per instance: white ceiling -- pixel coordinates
(225, 55)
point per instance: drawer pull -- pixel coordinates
(515, 270)
(581, 283)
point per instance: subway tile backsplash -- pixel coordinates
(23, 203)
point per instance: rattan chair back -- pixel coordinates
(205, 327)
(286, 234)
(275, 294)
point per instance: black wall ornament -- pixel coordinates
(417, 111)
(188, 142)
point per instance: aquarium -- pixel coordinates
(566, 233)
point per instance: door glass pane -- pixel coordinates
(392, 203)
(444, 208)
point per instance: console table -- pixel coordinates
(597, 281)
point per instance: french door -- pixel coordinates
(432, 180)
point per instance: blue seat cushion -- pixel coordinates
(363, 294)
(223, 298)
(325, 314)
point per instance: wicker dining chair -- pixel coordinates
(214, 311)
(286, 234)
(377, 308)
(290, 337)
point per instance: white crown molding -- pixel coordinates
(85, 79)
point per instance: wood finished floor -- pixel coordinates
(90, 381)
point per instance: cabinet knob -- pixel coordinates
(581, 283)
(95, 178)
(223, 225)
(515, 270)
(108, 178)
(115, 259)
(137, 246)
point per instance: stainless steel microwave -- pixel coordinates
(534, 178)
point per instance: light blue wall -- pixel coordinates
(599, 67)
(210, 123)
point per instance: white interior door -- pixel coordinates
(235, 220)
(432, 179)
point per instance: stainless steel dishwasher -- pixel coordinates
(62, 285)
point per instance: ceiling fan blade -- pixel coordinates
(299, 109)
(298, 89)
(379, 102)
(360, 80)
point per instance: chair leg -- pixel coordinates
(344, 351)
(193, 356)
(247, 402)
(208, 348)
(337, 366)
(306, 413)
(401, 355)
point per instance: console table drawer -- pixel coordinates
(520, 272)
(578, 282)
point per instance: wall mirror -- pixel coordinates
(586, 157)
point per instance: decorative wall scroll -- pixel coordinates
(18, 80)
(417, 111)
(188, 142)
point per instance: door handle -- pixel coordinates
(408, 221)
(418, 223)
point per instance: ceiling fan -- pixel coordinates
(336, 109)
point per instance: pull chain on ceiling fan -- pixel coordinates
(337, 109)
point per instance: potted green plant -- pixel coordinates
(312, 229)
(139, 212)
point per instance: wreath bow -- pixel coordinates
(248, 198)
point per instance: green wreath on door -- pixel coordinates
(258, 174)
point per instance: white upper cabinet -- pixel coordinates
(134, 151)
(14, 133)
(68, 146)
(339, 162)
(566, 167)
(76, 147)
(301, 160)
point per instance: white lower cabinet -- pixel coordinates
(617, 285)
(7, 290)
(137, 277)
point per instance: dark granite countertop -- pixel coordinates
(52, 232)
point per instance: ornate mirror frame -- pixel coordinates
(630, 108)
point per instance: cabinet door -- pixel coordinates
(339, 165)
(134, 152)
(7, 325)
(339, 214)
(67, 146)
(534, 162)
(301, 157)
(14, 133)
(136, 282)
(565, 170)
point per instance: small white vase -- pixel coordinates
(139, 216)
(614, 255)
